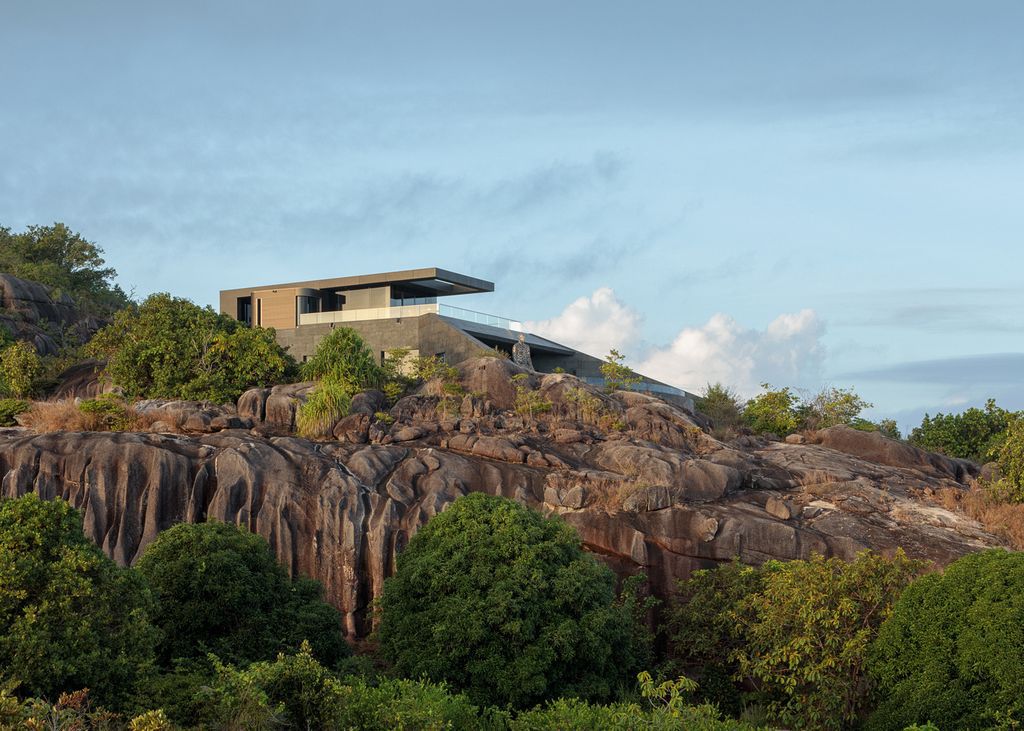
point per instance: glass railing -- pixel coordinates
(481, 318)
(367, 313)
(393, 313)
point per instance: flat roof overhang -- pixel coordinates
(436, 281)
(499, 334)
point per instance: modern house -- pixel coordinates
(401, 310)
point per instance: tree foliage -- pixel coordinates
(722, 405)
(219, 590)
(952, 651)
(833, 406)
(703, 634)
(971, 434)
(617, 375)
(806, 633)
(503, 604)
(171, 348)
(1009, 457)
(19, 368)
(69, 617)
(773, 411)
(62, 259)
(343, 357)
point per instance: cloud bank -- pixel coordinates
(789, 351)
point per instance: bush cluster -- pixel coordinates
(169, 347)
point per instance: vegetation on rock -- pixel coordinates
(63, 260)
(219, 589)
(69, 617)
(972, 434)
(171, 348)
(617, 375)
(503, 604)
(952, 650)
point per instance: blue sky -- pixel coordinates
(800, 192)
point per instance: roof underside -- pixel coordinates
(431, 281)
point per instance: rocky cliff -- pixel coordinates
(31, 311)
(645, 485)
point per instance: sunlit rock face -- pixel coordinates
(644, 484)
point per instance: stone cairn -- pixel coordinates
(521, 353)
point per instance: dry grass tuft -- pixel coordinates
(1003, 519)
(66, 415)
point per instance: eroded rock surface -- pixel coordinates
(653, 493)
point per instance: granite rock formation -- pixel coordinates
(32, 312)
(643, 482)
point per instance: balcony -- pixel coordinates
(394, 313)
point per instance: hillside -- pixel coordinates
(648, 489)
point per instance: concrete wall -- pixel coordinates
(428, 334)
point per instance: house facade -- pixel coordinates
(406, 309)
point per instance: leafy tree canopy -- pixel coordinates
(170, 347)
(972, 434)
(69, 617)
(60, 258)
(806, 634)
(219, 590)
(952, 651)
(503, 604)
(773, 411)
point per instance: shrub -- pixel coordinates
(721, 404)
(502, 603)
(529, 402)
(772, 412)
(219, 589)
(1010, 458)
(833, 406)
(69, 617)
(703, 634)
(806, 633)
(342, 357)
(952, 650)
(617, 375)
(172, 348)
(324, 407)
(10, 408)
(107, 413)
(19, 368)
(972, 434)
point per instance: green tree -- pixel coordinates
(19, 368)
(503, 603)
(971, 434)
(773, 411)
(60, 258)
(722, 405)
(806, 634)
(219, 590)
(1009, 457)
(171, 348)
(952, 651)
(617, 375)
(833, 406)
(343, 357)
(69, 617)
(703, 634)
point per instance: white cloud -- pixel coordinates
(593, 324)
(788, 352)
